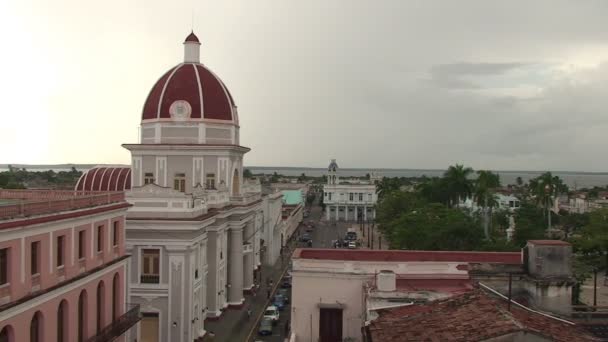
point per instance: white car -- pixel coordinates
(273, 313)
(352, 244)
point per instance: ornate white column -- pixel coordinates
(365, 213)
(235, 269)
(356, 212)
(327, 210)
(337, 212)
(248, 257)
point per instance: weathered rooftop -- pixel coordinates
(473, 316)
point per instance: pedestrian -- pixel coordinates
(248, 312)
(268, 293)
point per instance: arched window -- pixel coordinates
(36, 328)
(82, 316)
(100, 305)
(62, 321)
(115, 297)
(6, 334)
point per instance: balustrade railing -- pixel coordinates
(118, 326)
(149, 279)
(38, 202)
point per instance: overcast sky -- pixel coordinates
(506, 85)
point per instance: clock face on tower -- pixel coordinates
(180, 110)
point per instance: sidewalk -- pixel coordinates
(234, 324)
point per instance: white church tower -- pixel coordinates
(332, 173)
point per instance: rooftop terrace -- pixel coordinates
(24, 203)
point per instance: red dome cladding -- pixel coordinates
(105, 179)
(206, 94)
(192, 38)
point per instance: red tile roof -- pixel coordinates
(472, 316)
(549, 242)
(442, 285)
(396, 256)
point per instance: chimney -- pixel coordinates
(386, 281)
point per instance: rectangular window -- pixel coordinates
(351, 196)
(150, 272)
(210, 181)
(148, 178)
(329, 196)
(115, 233)
(100, 238)
(369, 197)
(60, 250)
(360, 197)
(35, 255)
(81, 244)
(3, 266)
(179, 182)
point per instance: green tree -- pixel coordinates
(247, 173)
(459, 184)
(386, 186)
(433, 190)
(544, 189)
(485, 185)
(434, 227)
(529, 224)
(302, 178)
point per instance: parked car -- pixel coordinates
(306, 237)
(272, 312)
(279, 302)
(286, 283)
(350, 236)
(352, 244)
(285, 293)
(265, 327)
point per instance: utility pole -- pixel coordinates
(372, 233)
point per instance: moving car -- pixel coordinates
(265, 327)
(272, 313)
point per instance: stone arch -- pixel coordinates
(62, 321)
(101, 309)
(7, 334)
(82, 316)
(36, 327)
(236, 183)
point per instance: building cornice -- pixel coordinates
(186, 147)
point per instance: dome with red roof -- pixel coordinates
(189, 92)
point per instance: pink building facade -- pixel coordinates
(62, 266)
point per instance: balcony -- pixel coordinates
(150, 279)
(119, 326)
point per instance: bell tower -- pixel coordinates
(332, 173)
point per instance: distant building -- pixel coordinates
(63, 266)
(348, 201)
(505, 202)
(337, 292)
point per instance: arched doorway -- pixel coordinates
(115, 297)
(82, 316)
(6, 334)
(62, 321)
(36, 327)
(236, 186)
(101, 292)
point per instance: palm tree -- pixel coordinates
(545, 188)
(486, 183)
(459, 185)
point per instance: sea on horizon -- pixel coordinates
(574, 180)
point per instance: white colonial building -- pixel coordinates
(197, 231)
(347, 200)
